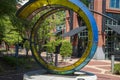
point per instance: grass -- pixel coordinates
(1, 69)
(14, 63)
(117, 69)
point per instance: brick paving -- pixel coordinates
(102, 68)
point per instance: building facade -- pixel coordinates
(109, 40)
(107, 16)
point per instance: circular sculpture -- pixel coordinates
(77, 7)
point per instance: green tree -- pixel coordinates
(2, 31)
(7, 7)
(8, 36)
(45, 32)
(86, 2)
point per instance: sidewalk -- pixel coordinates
(102, 68)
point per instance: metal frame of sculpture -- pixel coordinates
(77, 6)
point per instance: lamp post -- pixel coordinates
(57, 51)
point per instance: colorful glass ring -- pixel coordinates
(77, 6)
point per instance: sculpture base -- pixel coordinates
(43, 75)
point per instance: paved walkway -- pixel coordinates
(102, 68)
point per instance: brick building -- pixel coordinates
(107, 16)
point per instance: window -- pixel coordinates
(115, 4)
(114, 16)
(112, 39)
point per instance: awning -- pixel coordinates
(115, 28)
(74, 31)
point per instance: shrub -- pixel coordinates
(117, 69)
(10, 60)
(66, 49)
(14, 61)
(50, 46)
(1, 69)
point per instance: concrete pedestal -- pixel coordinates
(42, 75)
(99, 55)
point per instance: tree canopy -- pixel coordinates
(8, 32)
(7, 7)
(86, 2)
(14, 30)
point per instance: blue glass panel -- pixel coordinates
(117, 3)
(112, 3)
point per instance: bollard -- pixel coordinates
(112, 63)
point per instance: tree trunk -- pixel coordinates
(27, 50)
